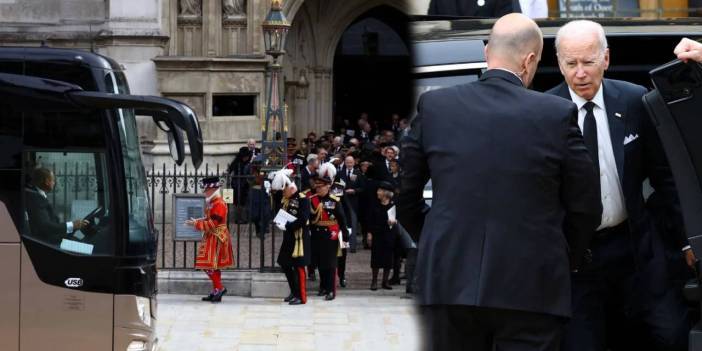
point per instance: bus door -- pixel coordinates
(674, 107)
(59, 285)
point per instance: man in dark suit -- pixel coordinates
(353, 189)
(515, 198)
(472, 8)
(626, 276)
(308, 172)
(44, 224)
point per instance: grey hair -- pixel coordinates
(387, 193)
(582, 26)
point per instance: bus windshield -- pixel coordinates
(142, 239)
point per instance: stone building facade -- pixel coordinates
(207, 53)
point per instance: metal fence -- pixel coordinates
(254, 237)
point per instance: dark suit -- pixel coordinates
(491, 8)
(44, 224)
(352, 200)
(627, 274)
(305, 179)
(514, 189)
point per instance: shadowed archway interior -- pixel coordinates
(372, 68)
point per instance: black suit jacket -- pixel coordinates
(514, 190)
(356, 185)
(637, 160)
(306, 179)
(491, 8)
(44, 224)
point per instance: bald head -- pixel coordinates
(515, 41)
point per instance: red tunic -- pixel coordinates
(215, 249)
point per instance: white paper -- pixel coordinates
(283, 217)
(75, 246)
(392, 213)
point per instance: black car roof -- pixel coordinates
(67, 56)
(422, 30)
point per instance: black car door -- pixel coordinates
(674, 107)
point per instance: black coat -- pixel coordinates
(305, 179)
(44, 224)
(324, 254)
(298, 206)
(490, 8)
(384, 237)
(643, 158)
(515, 192)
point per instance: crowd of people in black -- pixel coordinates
(365, 157)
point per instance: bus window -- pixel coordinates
(141, 240)
(67, 181)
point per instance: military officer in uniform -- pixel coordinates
(294, 252)
(327, 222)
(214, 251)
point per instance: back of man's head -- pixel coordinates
(512, 39)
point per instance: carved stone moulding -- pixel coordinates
(187, 20)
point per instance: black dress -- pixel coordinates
(383, 244)
(299, 206)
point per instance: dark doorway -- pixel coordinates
(372, 69)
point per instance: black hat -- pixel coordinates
(386, 186)
(244, 151)
(210, 182)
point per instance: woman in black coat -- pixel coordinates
(381, 236)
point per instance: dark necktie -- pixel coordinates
(590, 135)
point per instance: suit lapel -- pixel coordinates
(617, 126)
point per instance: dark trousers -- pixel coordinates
(409, 269)
(341, 269)
(457, 327)
(327, 282)
(293, 278)
(612, 306)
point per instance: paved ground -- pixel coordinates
(351, 322)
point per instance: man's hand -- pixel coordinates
(369, 239)
(690, 258)
(280, 226)
(190, 222)
(79, 224)
(392, 222)
(688, 50)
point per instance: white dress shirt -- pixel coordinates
(534, 8)
(613, 209)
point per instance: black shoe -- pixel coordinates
(342, 282)
(295, 301)
(290, 297)
(394, 281)
(218, 296)
(321, 292)
(374, 286)
(208, 297)
(387, 286)
(330, 296)
(409, 290)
